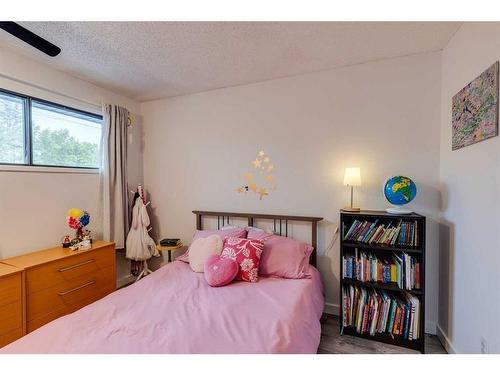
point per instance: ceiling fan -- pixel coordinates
(31, 38)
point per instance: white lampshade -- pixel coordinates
(352, 177)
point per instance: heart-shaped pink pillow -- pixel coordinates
(220, 271)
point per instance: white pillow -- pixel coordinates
(255, 229)
(201, 249)
(229, 227)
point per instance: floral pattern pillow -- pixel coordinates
(247, 254)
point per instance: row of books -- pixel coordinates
(366, 267)
(372, 311)
(391, 233)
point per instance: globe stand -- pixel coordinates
(398, 210)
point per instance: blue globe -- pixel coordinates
(399, 190)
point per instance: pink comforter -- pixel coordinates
(174, 311)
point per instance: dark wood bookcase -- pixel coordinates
(418, 252)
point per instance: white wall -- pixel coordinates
(33, 204)
(381, 116)
(470, 236)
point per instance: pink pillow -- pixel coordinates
(201, 249)
(282, 256)
(220, 271)
(222, 233)
(247, 254)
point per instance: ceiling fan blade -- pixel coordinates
(31, 38)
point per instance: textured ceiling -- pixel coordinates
(148, 60)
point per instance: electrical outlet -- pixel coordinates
(484, 346)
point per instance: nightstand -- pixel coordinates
(169, 249)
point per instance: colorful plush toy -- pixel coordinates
(77, 219)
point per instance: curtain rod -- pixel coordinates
(131, 118)
(98, 105)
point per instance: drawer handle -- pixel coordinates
(76, 265)
(77, 288)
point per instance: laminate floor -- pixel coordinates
(333, 343)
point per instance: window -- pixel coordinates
(63, 137)
(40, 133)
(12, 135)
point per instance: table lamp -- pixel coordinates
(352, 177)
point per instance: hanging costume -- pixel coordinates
(140, 246)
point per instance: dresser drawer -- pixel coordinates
(65, 270)
(11, 336)
(58, 298)
(10, 289)
(11, 317)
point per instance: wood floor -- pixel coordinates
(333, 343)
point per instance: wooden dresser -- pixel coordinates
(11, 304)
(60, 281)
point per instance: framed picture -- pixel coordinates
(475, 110)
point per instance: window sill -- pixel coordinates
(36, 169)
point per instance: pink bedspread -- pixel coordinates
(174, 311)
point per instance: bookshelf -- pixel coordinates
(386, 254)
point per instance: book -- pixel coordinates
(392, 316)
(353, 225)
(365, 266)
(370, 231)
(394, 275)
(373, 312)
(402, 233)
(407, 309)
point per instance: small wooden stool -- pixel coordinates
(169, 249)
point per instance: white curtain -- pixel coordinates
(114, 174)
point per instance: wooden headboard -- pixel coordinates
(279, 220)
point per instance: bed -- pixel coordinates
(174, 310)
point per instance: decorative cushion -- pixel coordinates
(220, 271)
(283, 257)
(247, 254)
(201, 249)
(222, 233)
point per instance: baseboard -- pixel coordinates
(445, 341)
(122, 281)
(332, 308)
(430, 327)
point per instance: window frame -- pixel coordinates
(28, 129)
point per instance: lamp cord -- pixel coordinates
(333, 240)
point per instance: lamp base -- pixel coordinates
(351, 209)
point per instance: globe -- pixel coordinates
(399, 190)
